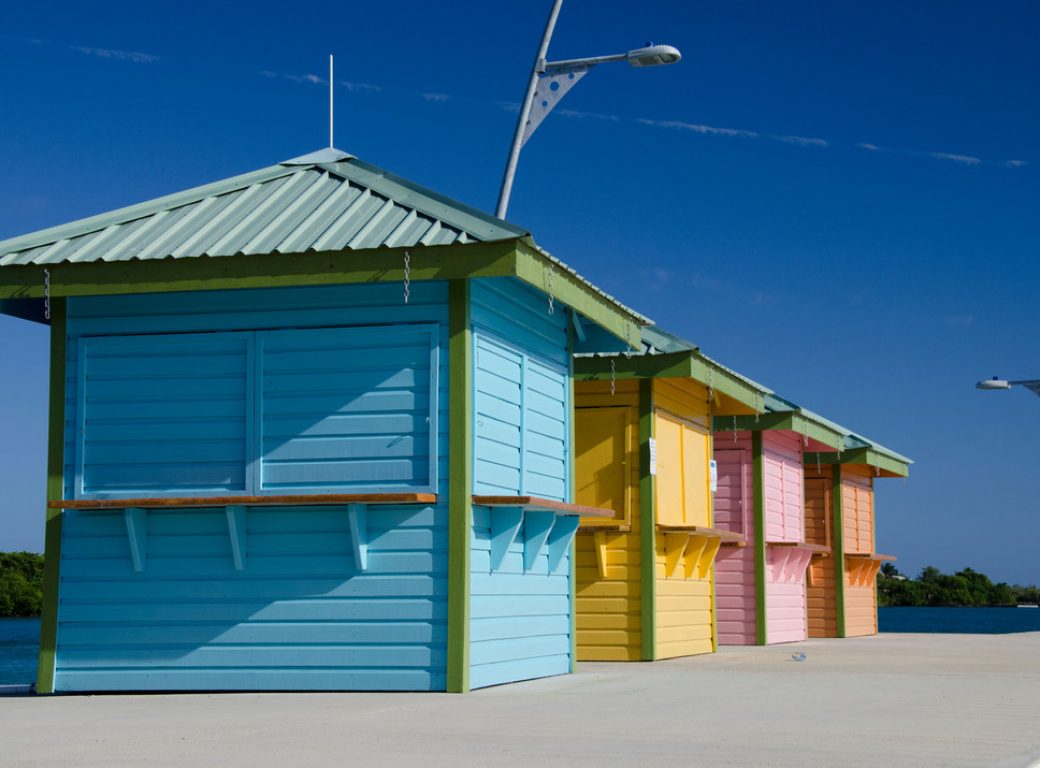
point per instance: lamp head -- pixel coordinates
(993, 383)
(653, 56)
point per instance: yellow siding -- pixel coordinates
(684, 611)
(608, 609)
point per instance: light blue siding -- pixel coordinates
(299, 615)
(521, 401)
(520, 622)
(348, 409)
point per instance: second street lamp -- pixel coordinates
(550, 80)
(1033, 385)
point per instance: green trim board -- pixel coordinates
(572, 329)
(788, 420)
(838, 549)
(647, 514)
(685, 364)
(759, 510)
(868, 456)
(55, 482)
(504, 258)
(460, 482)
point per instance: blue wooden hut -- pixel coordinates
(310, 429)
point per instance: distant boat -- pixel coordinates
(1027, 605)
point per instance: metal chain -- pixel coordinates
(47, 294)
(549, 288)
(613, 380)
(734, 429)
(407, 275)
(711, 388)
(628, 340)
(819, 469)
(758, 408)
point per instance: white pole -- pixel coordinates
(525, 112)
(331, 113)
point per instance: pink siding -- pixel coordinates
(784, 508)
(734, 566)
(784, 522)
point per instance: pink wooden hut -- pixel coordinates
(761, 587)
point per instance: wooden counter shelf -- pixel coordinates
(863, 567)
(236, 509)
(694, 547)
(549, 526)
(816, 549)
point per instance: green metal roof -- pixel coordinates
(325, 201)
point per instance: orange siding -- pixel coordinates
(822, 609)
(860, 611)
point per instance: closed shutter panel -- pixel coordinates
(167, 415)
(601, 437)
(347, 409)
(695, 475)
(670, 497)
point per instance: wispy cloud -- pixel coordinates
(709, 130)
(110, 53)
(962, 159)
(312, 79)
(436, 98)
(959, 321)
(656, 279)
(802, 141)
(1015, 163)
(867, 146)
(508, 106)
(703, 281)
(575, 114)
(359, 87)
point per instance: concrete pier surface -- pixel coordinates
(890, 700)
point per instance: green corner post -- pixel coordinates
(647, 516)
(838, 532)
(460, 482)
(55, 471)
(758, 490)
(572, 490)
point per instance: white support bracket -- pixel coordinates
(236, 520)
(137, 533)
(357, 514)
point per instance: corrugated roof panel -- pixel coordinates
(325, 201)
(267, 240)
(307, 232)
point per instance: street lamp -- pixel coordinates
(1033, 385)
(550, 80)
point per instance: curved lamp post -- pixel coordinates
(1033, 385)
(550, 80)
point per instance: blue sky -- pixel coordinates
(837, 199)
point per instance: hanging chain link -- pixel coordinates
(711, 389)
(758, 407)
(47, 294)
(628, 340)
(407, 275)
(613, 379)
(734, 429)
(819, 469)
(549, 288)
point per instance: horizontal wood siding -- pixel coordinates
(211, 314)
(821, 594)
(860, 609)
(735, 566)
(299, 614)
(519, 620)
(609, 607)
(858, 509)
(782, 459)
(684, 620)
(521, 406)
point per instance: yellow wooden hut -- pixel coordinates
(643, 448)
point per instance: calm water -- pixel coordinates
(19, 643)
(984, 621)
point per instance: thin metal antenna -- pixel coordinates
(331, 111)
